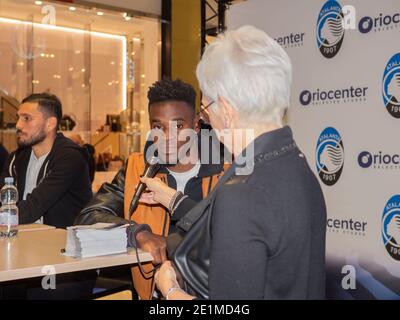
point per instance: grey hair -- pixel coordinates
(251, 71)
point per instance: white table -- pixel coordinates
(28, 254)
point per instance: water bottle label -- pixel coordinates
(8, 220)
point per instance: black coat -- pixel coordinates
(3, 156)
(260, 235)
(63, 186)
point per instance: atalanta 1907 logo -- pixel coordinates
(391, 227)
(391, 86)
(329, 156)
(330, 29)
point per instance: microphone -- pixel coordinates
(151, 169)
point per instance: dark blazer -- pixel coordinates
(260, 235)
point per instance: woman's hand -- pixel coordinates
(159, 192)
(148, 197)
(166, 278)
(168, 284)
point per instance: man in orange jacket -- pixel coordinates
(171, 110)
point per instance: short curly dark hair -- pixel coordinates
(172, 90)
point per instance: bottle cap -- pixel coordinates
(9, 180)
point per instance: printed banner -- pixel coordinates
(345, 114)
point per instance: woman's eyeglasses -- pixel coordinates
(204, 108)
(203, 113)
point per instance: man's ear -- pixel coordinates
(51, 124)
(196, 125)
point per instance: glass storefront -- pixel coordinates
(100, 63)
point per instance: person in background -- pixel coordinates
(75, 137)
(261, 233)
(103, 160)
(49, 170)
(91, 153)
(52, 177)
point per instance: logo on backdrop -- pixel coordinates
(329, 156)
(378, 160)
(330, 29)
(380, 23)
(330, 96)
(346, 226)
(391, 86)
(391, 227)
(291, 40)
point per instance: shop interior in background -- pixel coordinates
(99, 62)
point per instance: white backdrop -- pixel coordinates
(363, 257)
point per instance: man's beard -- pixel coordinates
(34, 140)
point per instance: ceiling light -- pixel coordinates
(38, 3)
(72, 8)
(100, 13)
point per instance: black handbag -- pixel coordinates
(190, 252)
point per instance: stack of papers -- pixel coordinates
(96, 240)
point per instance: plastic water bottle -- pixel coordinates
(8, 209)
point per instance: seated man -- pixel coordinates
(170, 103)
(49, 171)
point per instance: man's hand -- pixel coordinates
(154, 244)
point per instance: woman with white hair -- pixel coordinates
(261, 233)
